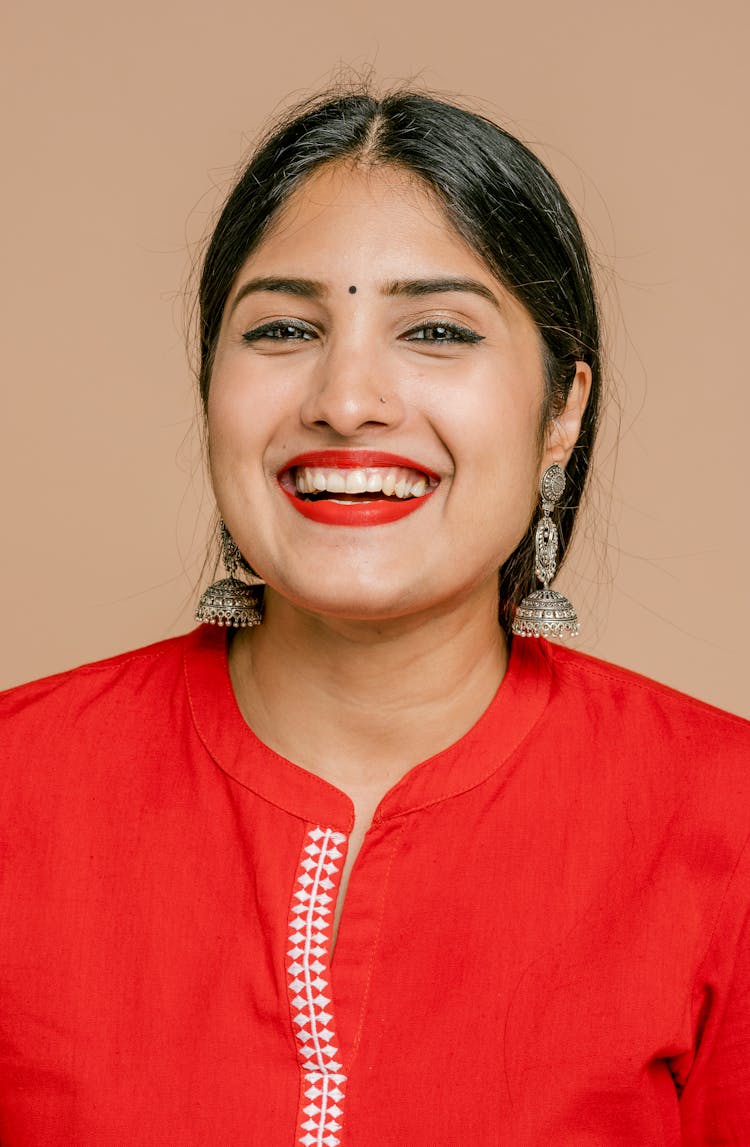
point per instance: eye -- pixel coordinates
(280, 331)
(442, 333)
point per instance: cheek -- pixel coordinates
(236, 423)
(495, 428)
(494, 438)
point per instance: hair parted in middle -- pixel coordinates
(496, 194)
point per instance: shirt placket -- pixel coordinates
(308, 965)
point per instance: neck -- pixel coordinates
(360, 703)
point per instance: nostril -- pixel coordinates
(348, 402)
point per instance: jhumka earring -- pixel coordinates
(232, 601)
(547, 613)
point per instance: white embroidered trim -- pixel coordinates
(308, 969)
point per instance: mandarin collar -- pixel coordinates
(517, 705)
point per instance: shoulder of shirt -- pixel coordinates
(89, 679)
(615, 685)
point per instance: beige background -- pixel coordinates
(122, 126)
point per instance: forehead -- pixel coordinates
(357, 211)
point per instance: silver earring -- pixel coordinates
(231, 601)
(547, 613)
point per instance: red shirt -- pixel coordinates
(544, 940)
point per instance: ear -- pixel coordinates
(566, 425)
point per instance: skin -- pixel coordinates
(380, 645)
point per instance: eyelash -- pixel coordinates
(273, 331)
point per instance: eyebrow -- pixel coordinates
(304, 288)
(404, 288)
(415, 288)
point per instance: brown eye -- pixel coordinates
(443, 333)
(280, 331)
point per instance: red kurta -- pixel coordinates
(544, 939)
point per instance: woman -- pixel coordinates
(368, 869)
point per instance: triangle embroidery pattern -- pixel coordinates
(321, 1108)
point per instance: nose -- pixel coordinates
(351, 392)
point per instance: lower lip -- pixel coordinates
(356, 513)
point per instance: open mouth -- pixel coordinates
(336, 489)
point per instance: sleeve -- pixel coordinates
(715, 1100)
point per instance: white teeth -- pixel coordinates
(395, 481)
(356, 482)
(335, 483)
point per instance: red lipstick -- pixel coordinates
(357, 510)
(356, 513)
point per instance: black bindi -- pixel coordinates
(352, 290)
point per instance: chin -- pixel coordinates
(353, 603)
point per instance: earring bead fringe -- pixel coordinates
(230, 601)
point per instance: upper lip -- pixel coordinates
(355, 460)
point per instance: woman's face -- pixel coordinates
(375, 404)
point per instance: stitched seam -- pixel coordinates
(467, 788)
(374, 951)
(305, 818)
(632, 680)
(712, 938)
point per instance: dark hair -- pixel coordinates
(497, 195)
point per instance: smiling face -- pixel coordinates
(375, 404)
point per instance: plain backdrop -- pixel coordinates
(122, 128)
